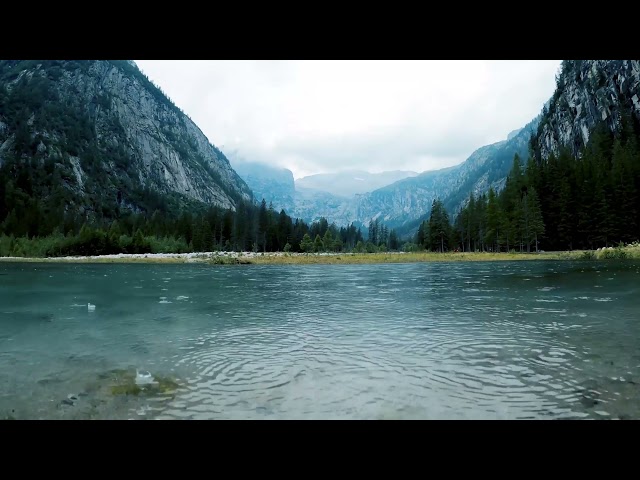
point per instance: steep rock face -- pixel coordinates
(588, 93)
(275, 185)
(109, 134)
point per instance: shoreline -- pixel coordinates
(280, 258)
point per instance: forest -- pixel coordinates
(250, 227)
(560, 203)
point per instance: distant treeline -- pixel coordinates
(249, 228)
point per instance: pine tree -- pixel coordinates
(317, 244)
(480, 214)
(207, 237)
(421, 235)
(624, 205)
(263, 226)
(197, 239)
(493, 221)
(439, 227)
(536, 223)
(306, 245)
(337, 244)
(327, 240)
(372, 231)
(393, 240)
(470, 222)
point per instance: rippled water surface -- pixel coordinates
(427, 341)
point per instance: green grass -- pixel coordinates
(365, 258)
(629, 252)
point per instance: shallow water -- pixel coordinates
(505, 340)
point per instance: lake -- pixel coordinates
(494, 340)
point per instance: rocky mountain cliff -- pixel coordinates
(589, 93)
(99, 137)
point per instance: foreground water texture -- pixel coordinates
(508, 340)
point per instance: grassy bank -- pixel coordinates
(278, 258)
(414, 257)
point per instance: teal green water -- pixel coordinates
(410, 341)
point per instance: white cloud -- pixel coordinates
(322, 116)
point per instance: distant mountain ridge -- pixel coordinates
(351, 182)
(404, 204)
(400, 204)
(274, 184)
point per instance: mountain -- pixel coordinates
(311, 205)
(351, 182)
(580, 187)
(586, 156)
(402, 204)
(273, 184)
(589, 93)
(486, 167)
(94, 138)
(513, 133)
(277, 186)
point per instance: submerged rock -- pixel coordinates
(9, 416)
(588, 401)
(139, 382)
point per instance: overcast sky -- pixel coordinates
(326, 116)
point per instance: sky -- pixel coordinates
(321, 116)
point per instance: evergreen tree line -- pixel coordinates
(563, 202)
(436, 234)
(510, 220)
(250, 227)
(381, 236)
